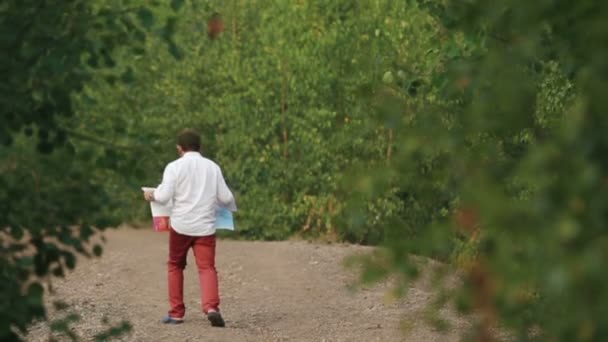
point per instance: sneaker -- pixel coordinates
(216, 319)
(171, 320)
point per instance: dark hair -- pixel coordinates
(189, 140)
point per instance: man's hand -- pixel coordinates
(149, 196)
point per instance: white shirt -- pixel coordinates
(197, 187)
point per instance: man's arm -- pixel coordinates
(165, 191)
(224, 195)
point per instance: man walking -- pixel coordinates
(197, 187)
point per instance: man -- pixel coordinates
(197, 187)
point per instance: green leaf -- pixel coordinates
(128, 76)
(146, 17)
(177, 4)
(69, 259)
(97, 250)
(34, 292)
(167, 31)
(17, 233)
(175, 50)
(93, 61)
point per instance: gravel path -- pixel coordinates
(270, 291)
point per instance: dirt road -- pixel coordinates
(270, 291)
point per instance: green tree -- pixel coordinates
(513, 168)
(284, 115)
(52, 196)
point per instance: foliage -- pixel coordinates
(53, 196)
(467, 131)
(283, 116)
(513, 167)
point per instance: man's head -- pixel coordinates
(188, 140)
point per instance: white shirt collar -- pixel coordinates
(191, 154)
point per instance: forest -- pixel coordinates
(469, 132)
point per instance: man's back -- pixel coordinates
(197, 187)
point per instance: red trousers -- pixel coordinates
(204, 253)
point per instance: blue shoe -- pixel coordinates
(171, 320)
